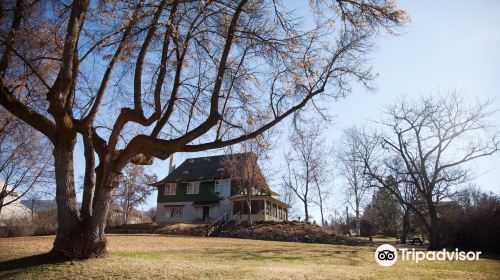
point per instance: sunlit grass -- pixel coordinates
(169, 257)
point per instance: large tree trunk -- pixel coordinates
(76, 239)
(406, 226)
(69, 229)
(434, 237)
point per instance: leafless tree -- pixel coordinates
(133, 190)
(323, 185)
(288, 196)
(429, 143)
(307, 167)
(143, 79)
(242, 165)
(406, 194)
(25, 161)
(351, 168)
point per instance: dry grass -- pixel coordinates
(169, 257)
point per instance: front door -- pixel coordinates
(206, 213)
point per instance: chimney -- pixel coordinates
(171, 166)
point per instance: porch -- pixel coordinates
(263, 208)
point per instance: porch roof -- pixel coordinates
(261, 197)
(204, 203)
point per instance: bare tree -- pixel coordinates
(288, 196)
(429, 143)
(352, 170)
(406, 195)
(25, 162)
(151, 213)
(143, 79)
(243, 168)
(307, 165)
(133, 190)
(323, 191)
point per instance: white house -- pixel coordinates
(12, 210)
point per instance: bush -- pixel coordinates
(16, 228)
(474, 224)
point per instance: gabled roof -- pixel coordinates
(210, 168)
(197, 169)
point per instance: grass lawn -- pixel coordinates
(175, 257)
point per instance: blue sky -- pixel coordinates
(451, 44)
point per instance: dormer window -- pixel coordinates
(193, 187)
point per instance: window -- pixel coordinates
(173, 212)
(193, 188)
(169, 189)
(223, 187)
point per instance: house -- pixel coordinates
(12, 210)
(201, 190)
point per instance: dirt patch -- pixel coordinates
(182, 229)
(288, 231)
(275, 231)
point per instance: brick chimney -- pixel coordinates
(171, 166)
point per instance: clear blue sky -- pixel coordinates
(451, 44)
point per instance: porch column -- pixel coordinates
(265, 210)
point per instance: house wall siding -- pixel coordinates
(191, 213)
(206, 193)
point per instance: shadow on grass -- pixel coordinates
(27, 262)
(494, 257)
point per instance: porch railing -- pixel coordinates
(217, 226)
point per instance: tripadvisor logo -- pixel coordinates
(387, 255)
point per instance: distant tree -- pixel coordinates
(133, 190)
(151, 213)
(323, 183)
(429, 143)
(406, 195)
(352, 170)
(288, 197)
(383, 213)
(307, 162)
(25, 160)
(471, 221)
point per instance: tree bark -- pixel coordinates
(249, 209)
(434, 237)
(76, 239)
(306, 211)
(358, 221)
(406, 226)
(66, 243)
